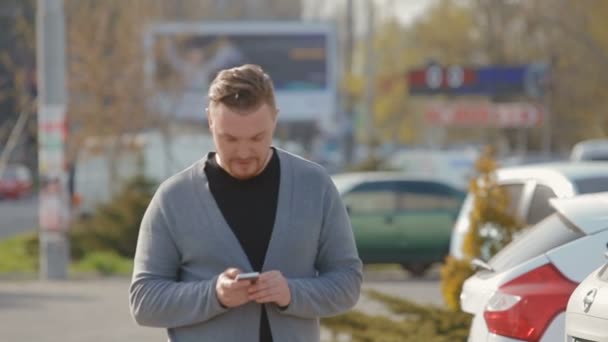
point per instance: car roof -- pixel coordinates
(558, 175)
(347, 180)
(588, 212)
(380, 175)
(592, 143)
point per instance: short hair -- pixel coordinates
(243, 88)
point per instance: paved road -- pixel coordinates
(18, 216)
(425, 290)
(71, 311)
(96, 310)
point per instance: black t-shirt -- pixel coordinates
(249, 207)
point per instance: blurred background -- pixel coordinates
(101, 100)
(357, 81)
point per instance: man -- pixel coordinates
(246, 207)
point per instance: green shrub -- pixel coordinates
(104, 263)
(19, 254)
(114, 226)
(414, 323)
(453, 274)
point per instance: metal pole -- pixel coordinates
(347, 100)
(370, 74)
(52, 101)
(547, 115)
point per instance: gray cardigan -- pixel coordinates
(184, 244)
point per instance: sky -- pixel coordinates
(406, 10)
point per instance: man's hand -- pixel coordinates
(232, 293)
(271, 287)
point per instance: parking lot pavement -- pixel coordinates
(70, 311)
(97, 309)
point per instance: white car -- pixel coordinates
(595, 149)
(530, 188)
(521, 293)
(587, 313)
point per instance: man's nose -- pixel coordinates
(242, 150)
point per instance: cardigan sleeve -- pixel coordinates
(337, 286)
(156, 297)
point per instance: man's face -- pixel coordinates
(242, 141)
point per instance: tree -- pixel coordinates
(490, 212)
(18, 78)
(567, 35)
(398, 49)
(105, 74)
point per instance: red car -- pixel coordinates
(15, 182)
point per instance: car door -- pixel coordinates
(372, 207)
(426, 212)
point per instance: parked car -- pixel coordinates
(587, 312)
(399, 219)
(594, 149)
(15, 182)
(521, 293)
(530, 187)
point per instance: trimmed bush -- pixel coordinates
(115, 226)
(19, 254)
(413, 322)
(104, 263)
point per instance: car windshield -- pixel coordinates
(592, 185)
(549, 233)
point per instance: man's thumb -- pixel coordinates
(232, 272)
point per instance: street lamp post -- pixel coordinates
(52, 131)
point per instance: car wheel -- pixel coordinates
(416, 269)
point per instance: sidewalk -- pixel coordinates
(70, 311)
(97, 309)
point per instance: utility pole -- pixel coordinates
(370, 75)
(52, 131)
(347, 100)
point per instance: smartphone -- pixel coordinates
(253, 276)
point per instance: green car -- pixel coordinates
(400, 219)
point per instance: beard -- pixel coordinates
(244, 169)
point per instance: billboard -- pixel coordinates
(503, 115)
(434, 79)
(183, 58)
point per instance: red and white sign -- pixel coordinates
(485, 114)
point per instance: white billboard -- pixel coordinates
(183, 58)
